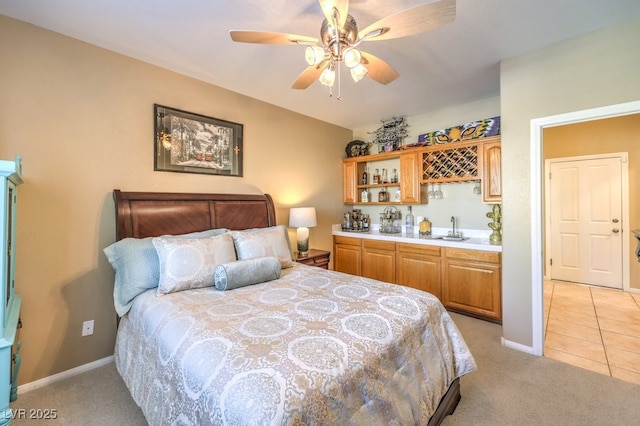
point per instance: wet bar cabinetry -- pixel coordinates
(492, 172)
(347, 255)
(379, 260)
(419, 266)
(474, 160)
(406, 164)
(465, 280)
(473, 280)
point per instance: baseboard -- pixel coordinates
(64, 375)
(517, 346)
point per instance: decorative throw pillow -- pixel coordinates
(261, 242)
(247, 272)
(137, 268)
(187, 263)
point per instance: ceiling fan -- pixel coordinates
(340, 39)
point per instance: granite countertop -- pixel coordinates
(478, 239)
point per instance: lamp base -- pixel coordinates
(303, 241)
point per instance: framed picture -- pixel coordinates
(192, 143)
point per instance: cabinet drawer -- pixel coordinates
(379, 245)
(350, 241)
(477, 255)
(418, 249)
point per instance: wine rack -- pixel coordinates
(452, 164)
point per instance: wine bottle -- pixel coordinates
(365, 177)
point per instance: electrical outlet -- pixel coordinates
(87, 328)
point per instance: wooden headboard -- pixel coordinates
(150, 214)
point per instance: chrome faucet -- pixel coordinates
(453, 220)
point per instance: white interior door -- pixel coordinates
(585, 198)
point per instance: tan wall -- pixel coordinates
(82, 119)
(619, 134)
(598, 69)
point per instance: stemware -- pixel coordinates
(438, 192)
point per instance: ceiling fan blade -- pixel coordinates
(411, 21)
(264, 37)
(340, 6)
(378, 69)
(309, 75)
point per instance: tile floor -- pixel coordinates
(594, 328)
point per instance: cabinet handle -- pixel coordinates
(615, 230)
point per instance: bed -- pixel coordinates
(313, 346)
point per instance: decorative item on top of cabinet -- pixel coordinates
(492, 172)
(10, 175)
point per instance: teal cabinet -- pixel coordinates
(10, 178)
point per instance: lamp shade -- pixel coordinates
(302, 217)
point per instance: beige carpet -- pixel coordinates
(509, 388)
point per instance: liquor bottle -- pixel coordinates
(376, 176)
(365, 177)
(383, 195)
(364, 196)
(409, 222)
(425, 227)
(394, 176)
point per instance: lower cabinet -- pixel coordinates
(466, 281)
(473, 282)
(419, 266)
(347, 255)
(379, 260)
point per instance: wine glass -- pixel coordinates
(438, 192)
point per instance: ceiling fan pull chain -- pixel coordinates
(339, 85)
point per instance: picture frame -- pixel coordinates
(187, 142)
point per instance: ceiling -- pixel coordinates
(453, 64)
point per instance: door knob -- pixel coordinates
(615, 230)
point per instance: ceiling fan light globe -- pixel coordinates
(328, 77)
(352, 57)
(358, 72)
(314, 54)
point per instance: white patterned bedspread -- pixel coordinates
(315, 347)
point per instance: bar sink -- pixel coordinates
(454, 238)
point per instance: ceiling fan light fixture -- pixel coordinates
(358, 72)
(314, 54)
(351, 57)
(328, 76)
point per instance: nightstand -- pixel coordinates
(319, 258)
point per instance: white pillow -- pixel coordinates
(187, 263)
(261, 242)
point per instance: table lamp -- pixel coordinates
(302, 218)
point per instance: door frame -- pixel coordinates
(536, 129)
(624, 187)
